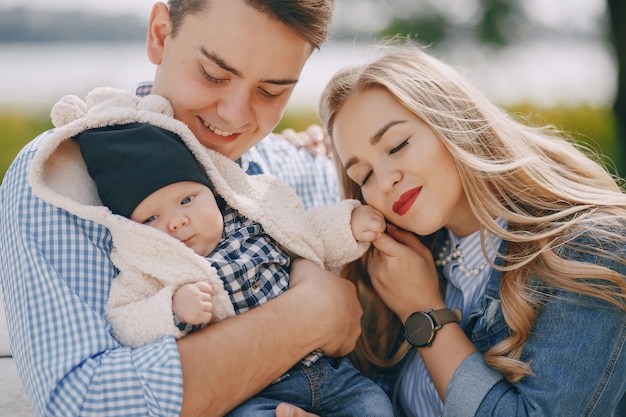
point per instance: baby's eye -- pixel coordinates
(150, 219)
(187, 199)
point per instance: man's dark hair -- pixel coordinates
(310, 19)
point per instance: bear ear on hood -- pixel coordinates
(106, 100)
(102, 101)
(67, 110)
(112, 99)
(156, 104)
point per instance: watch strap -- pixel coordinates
(445, 316)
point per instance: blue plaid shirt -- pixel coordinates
(251, 265)
(55, 274)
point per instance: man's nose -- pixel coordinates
(235, 108)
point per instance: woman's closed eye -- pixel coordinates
(391, 152)
(367, 177)
(400, 146)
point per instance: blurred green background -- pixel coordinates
(16, 129)
(485, 29)
(592, 125)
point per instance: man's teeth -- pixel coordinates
(218, 131)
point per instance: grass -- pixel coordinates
(16, 130)
(593, 126)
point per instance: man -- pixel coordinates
(228, 67)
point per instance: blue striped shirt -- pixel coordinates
(55, 274)
(313, 178)
(418, 396)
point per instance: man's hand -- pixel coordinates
(319, 310)
(334, 304)
(192, 303)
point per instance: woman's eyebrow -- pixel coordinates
(381, 132)
(352, 161)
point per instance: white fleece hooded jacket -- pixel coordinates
(152, 264)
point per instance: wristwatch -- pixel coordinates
(421, 326)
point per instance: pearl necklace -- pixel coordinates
(457, 253)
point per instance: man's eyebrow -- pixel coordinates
(222, 64)
(219, 62)
(376, 137)
(286, 81)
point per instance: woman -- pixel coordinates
(513, 225)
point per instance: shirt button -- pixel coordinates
(255, 285)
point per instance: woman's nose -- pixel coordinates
(387, 178)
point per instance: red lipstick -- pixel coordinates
(406, 200)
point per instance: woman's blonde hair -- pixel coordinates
(549, 190)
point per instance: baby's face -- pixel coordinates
(184, 210)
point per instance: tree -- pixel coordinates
(617, 15)
(497, 23)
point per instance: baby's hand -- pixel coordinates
(367, 223)
(192, 303)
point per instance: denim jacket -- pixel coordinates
(576, 351)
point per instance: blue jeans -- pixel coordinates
(330, 387)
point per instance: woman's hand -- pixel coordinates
(314, 139)
(403, 273)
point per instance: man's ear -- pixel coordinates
(159, 27)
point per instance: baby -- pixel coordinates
(148, 174)
(243, 229)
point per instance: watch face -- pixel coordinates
(419, 329)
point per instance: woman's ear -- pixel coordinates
(159, 27)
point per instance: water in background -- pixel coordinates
(569, 72)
